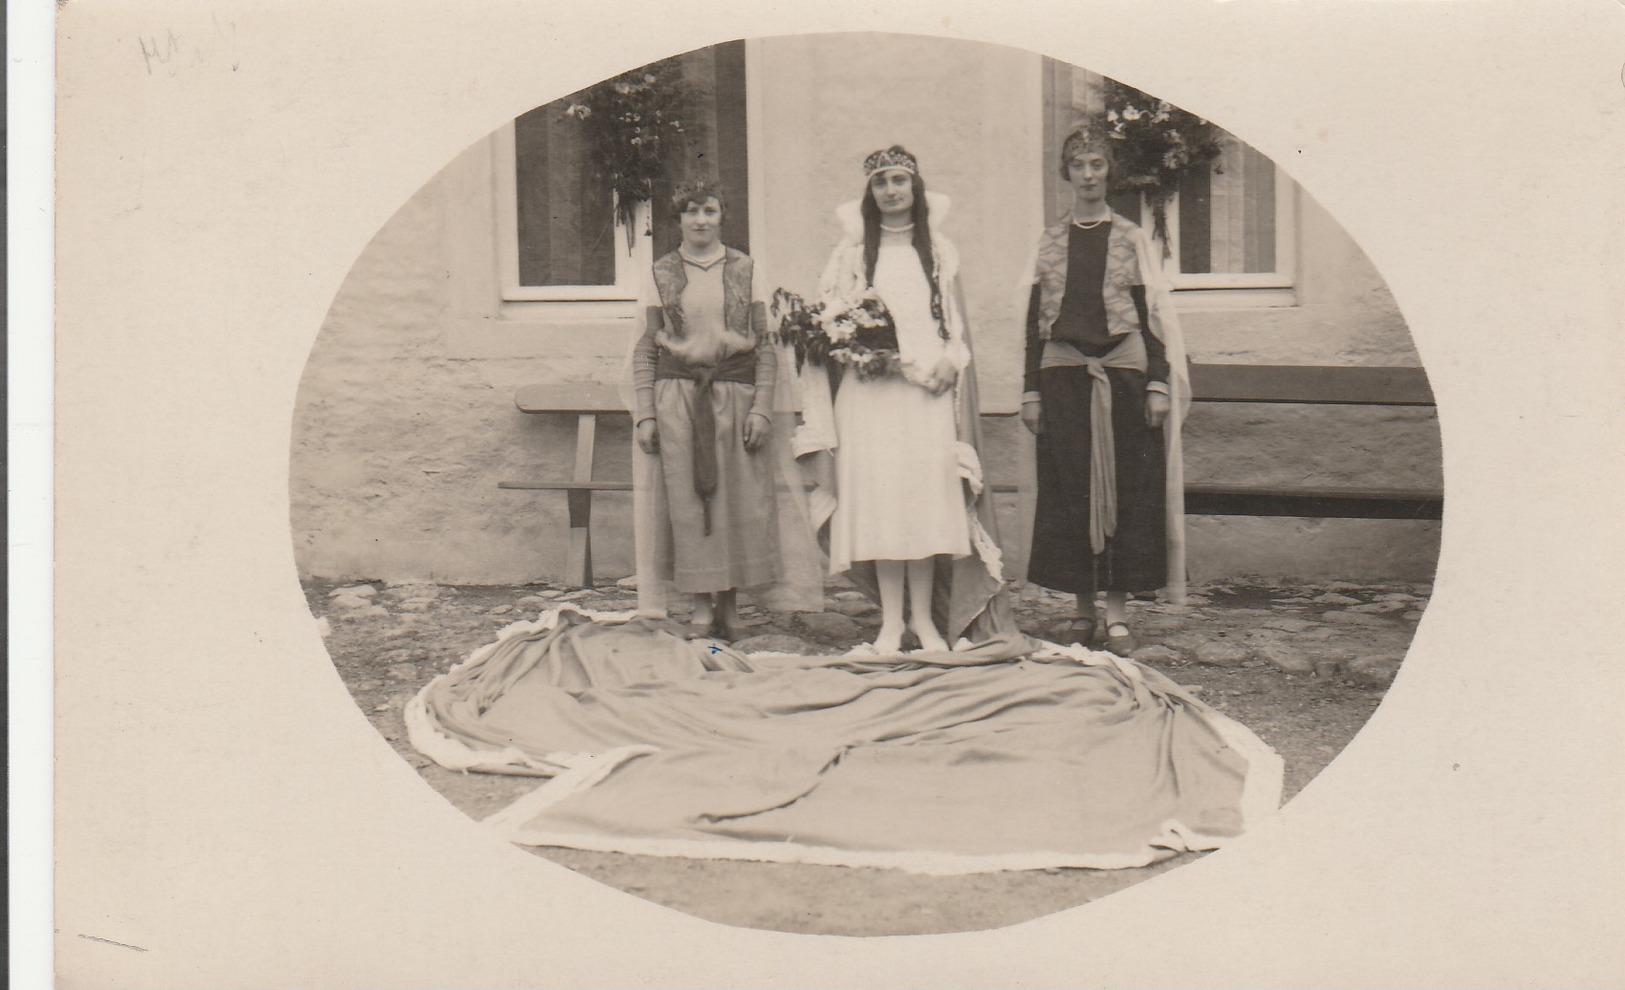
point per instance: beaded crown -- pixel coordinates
(1091, 132)
(882, 161)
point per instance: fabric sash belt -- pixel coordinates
(702, 416)
(1103, 440)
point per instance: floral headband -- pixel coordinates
(892, 158)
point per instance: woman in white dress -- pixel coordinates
(898, 459)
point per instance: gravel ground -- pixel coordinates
(1302, 666)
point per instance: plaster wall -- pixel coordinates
(405, 420)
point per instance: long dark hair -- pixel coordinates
(921, 219)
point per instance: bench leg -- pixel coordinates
(578, 563)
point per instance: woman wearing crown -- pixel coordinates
(1105, 390)
(718, 502)
(909, 522)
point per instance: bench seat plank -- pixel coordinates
(586, 398)
(1310, 384)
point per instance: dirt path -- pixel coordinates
(1303, 667)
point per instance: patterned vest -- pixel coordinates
(671, 279)
(1122, 273)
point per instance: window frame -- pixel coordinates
(1284, 277)
(629, 264)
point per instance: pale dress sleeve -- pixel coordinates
(652, 318)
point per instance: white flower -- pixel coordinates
(1129, 113)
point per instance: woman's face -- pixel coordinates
(1087, 172)
(893, 191)
(702, 224)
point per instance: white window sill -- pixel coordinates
(1205, 300)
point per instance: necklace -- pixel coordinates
(897, 230)
(703, 264)
(1092, 224)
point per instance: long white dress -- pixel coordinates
(899, 492)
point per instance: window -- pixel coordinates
(558, 239)
(556, 230)
(1229, 228)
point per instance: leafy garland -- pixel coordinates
(1160, 145)
(634, 128)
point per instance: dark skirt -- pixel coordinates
(1136, 557)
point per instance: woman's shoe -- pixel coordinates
(1120, 640)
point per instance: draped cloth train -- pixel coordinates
(661, 746)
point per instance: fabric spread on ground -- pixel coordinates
(951, 763)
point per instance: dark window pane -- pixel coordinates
(1195, 222)
(565, 214)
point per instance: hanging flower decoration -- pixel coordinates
(634, 128)
(1160, 144)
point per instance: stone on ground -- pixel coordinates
(1156, 653)
(1379, 608)
(830, 626)
(1287, 623)
(1353, 619)
(1374, 670)
(773, 643)
(1217, 653)
(358, 590)
(1286, 658)
(856, 608)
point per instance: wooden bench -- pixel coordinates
(1309, 385)
(1348, 386)
(586, 403)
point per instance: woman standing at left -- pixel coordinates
(703, 375)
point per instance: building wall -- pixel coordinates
(405, 421)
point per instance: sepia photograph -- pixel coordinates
(911, 496)
(957, 490)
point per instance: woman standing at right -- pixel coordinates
(1104, 390)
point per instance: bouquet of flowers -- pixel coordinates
(862, 337)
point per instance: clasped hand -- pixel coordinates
(1157, 405)
(757, 428)
(942, 377)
